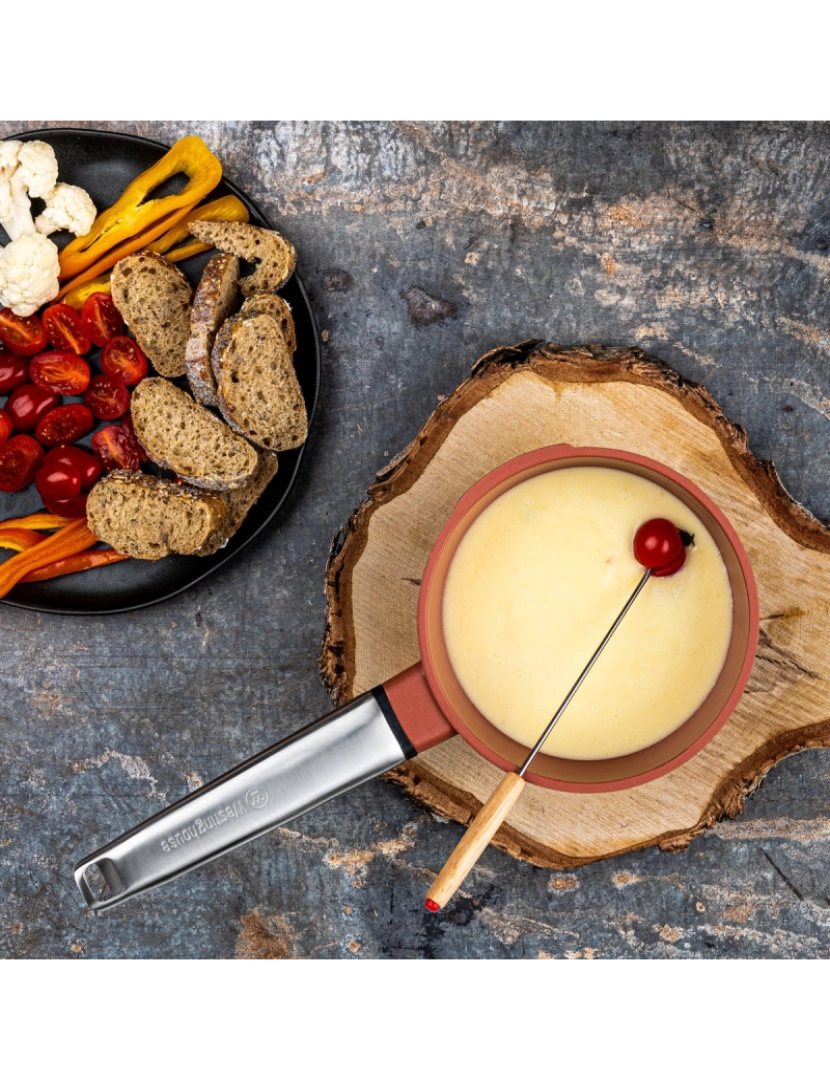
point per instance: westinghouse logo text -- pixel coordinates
(202, 825)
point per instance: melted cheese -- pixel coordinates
(533, 588)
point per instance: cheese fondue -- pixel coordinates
(534, 587)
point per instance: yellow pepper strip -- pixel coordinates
(19, 539)
(40, 520)
(228, 208)
(134, 213)
(127, 248)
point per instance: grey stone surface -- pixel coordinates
(423, 246)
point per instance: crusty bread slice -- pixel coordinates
(147, 517)
(240, 501)
(212, 304)
(257, 391)
(154, 298)
(274, 255)
(278, 309)
(183, 436)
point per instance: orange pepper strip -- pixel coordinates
(19, 539)
(72, 564)
(127, 248)
(228, 208)
(66, 541)
(39, 520)
(133, 213)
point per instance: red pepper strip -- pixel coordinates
(66, 541)
(39, 520)
(19, 539)
(86, 560)
(135, 211)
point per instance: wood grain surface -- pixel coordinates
(424, 246)
(522, 398)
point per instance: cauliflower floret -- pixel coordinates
(15, 210)
(37, 168)
(28, 273)
(67, 207)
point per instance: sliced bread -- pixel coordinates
(240, 501)
(181, 435)
(257, 388)
(147, 517)
(278, 309)
(155, 298)
(212, 304)
(274, 255)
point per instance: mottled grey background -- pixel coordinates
(423, 246)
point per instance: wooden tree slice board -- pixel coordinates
(532, 395)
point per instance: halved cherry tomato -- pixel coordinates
(66, 424)
(14, 371)
(6, 426)
(57, 481)
(24, 335)
(107, 398)
(127, 425)
(62, 372)
(28, 404)
(20, 458)
(123, 359)
(87, 464)
(71, 508)
(101, 318)
(65, 330)
(117, 447)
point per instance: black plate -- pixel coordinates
(103, 164)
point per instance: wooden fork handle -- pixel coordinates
(475, 840)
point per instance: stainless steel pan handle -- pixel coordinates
(330, 756)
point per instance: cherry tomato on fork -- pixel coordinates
(24, 335)
(658, 545)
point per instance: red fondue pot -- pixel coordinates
(418, 709)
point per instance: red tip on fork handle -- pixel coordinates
(431, 905)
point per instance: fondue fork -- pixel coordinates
(656, 548)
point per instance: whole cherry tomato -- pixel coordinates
(65, 330)
(6, 426)
(75, 507)
(63, 425)
(63, 372)
(87, 465)
(101, 318)
(14, 371)
(118, 448)
(123, 359)
(20, 458)
(57, 481)
(24, 335)
(28, 404)
(658, 545)
(107, 398)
